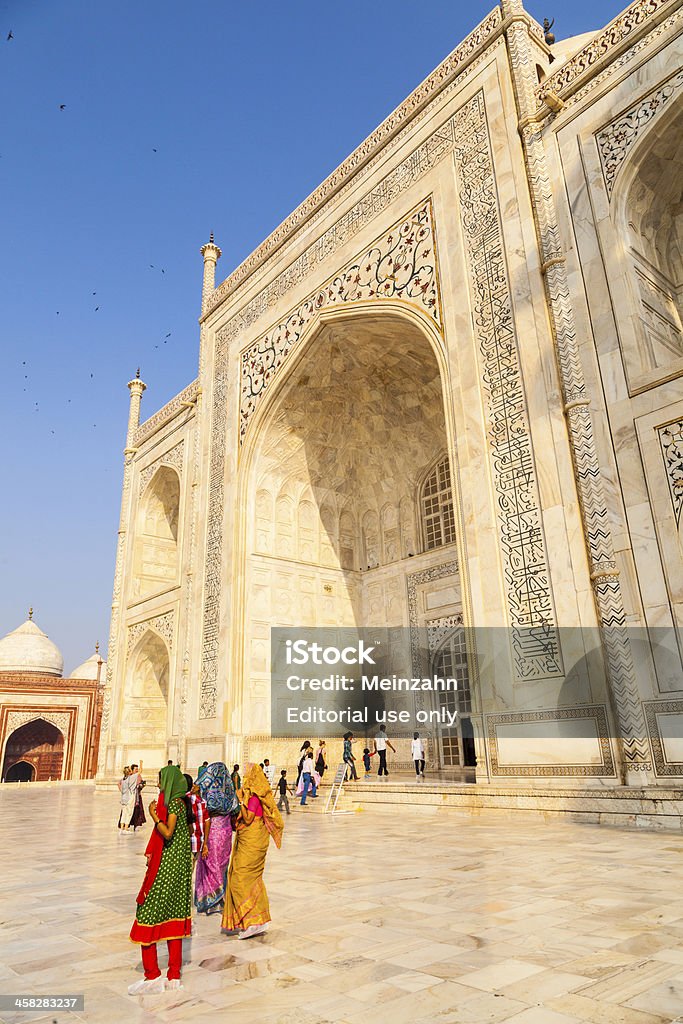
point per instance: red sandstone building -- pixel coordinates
(49, 724)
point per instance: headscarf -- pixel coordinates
(172, 783)
(256, 782)
(217, 790)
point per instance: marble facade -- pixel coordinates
(445, 394)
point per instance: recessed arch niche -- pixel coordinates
(156, 547)
(648, 205)
(145, 709)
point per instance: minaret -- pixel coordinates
(211, 254)
(136, 387)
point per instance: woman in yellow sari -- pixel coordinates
(247, 910)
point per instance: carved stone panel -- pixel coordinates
(533, 632)
(616, 139)
(174, 458)
(401, 264)
(162, 624)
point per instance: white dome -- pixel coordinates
(28, 649)
(88, 670)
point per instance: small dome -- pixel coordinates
(28, 649)
(88, 670)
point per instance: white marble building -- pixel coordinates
(446, 392)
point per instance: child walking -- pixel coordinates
(367, 754)
(283, 789)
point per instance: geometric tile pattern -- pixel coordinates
(464, 922)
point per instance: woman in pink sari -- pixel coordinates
(218, 792)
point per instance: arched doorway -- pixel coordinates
(22, 771)
(40, 744)
(332, 476)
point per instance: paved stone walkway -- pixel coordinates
(376, 918)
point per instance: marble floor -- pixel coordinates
(376, 918)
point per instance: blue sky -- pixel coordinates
(179, 119)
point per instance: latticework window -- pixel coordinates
(451, 663)
(438, 517)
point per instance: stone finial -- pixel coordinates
(30, 614)
(97, 647)
(548, 35)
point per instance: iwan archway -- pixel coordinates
(349, 496)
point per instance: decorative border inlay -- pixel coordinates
(600, 45)
(208, 685)
(652, 709)
(533, 633)
(161, 624)
(671, 442)
(595, 711)
(413, 581)
(372, 147)
(173, 458)
(401, 264)
(60, 720)
(616, 139)
(182, 400)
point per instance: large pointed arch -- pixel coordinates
(405, 335)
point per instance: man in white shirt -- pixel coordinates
(381, 743)
(418, 754)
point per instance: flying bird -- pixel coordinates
(10, 35)
(96, 308)
(62, 106)
(153, 149)
(169, 334)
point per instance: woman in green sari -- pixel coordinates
(165, 899)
